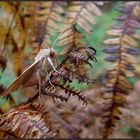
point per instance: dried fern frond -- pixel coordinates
(83, 14)
(24, 122)
(27, 12)
(13, 32)
(52, 112)
(17, 58)
(70, 39)
(122, 49)
(72, 67)
(47, 16)
(72, 118)
(130, 114)
(80, 14)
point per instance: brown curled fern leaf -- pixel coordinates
(72, 67)
(122, 49)
(24, 122)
